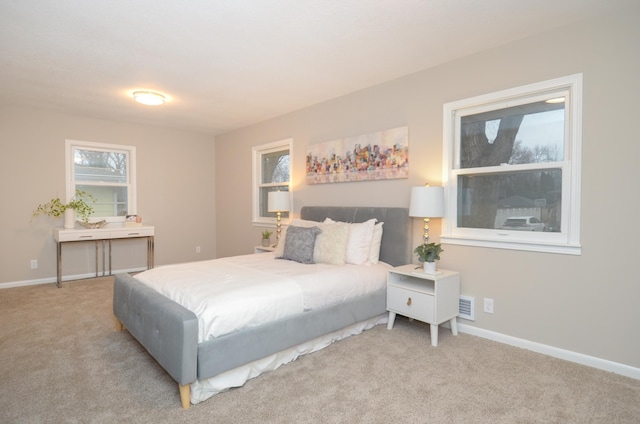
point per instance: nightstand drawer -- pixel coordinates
(410, 303)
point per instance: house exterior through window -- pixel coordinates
(107, 172)
(512, 168)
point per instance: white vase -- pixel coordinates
(429, 267)
(69, 218)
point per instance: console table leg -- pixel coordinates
(150, 252)
(96, 244)
(103, 258)
(59, 265)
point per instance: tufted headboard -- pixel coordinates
(396, 231)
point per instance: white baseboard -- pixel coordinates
(567, 355)
(24, 283)
(66, 278)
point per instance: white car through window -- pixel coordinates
(523, 223)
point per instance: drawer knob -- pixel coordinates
(409, 301)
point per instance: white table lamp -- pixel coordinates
(427, 202)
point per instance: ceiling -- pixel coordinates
(226, 64)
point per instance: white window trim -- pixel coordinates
(565, 242)
(258, 151)
(70, 145)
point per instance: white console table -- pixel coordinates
(102, 236)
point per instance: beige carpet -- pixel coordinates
(62, 362)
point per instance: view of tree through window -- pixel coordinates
(275, 177)
(512, 168)
(275, 167)
(271, 172)
(522, 143)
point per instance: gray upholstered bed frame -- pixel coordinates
(169, 332)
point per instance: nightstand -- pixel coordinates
(263, 249)
(430, 298)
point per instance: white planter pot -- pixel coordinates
(69, 218)
(266, 242)
(429, 267)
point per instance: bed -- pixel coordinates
(171, 333)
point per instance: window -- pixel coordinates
(271, 172)
(107, 172)
(512, 168)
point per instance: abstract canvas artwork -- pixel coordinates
(375, 156)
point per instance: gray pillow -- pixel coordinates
(299, 244)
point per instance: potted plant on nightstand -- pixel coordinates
(429, 253)
(78, 206)
(266, 240)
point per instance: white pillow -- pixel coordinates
(376, 240)
(359, 243)
(297, 222)
(331, 244)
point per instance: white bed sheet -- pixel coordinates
(230, 294)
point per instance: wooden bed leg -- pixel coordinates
(119, 324)
(185, 395)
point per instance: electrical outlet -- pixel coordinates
(34, 264)
(197, 249)
(488, 305)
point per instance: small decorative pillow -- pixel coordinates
(300, 243)
(296, 222)
(359, 243)
(331, 244)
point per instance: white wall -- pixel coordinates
(585, 304)
(175, 193)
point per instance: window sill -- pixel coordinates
(564, 249)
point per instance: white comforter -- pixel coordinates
(230, 294)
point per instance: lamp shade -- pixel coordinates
(427, 202)
(278, 201)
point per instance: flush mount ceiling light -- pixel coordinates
(150, 98)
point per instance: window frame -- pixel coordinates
(567, 241)
(257, 184)
(129, 151)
